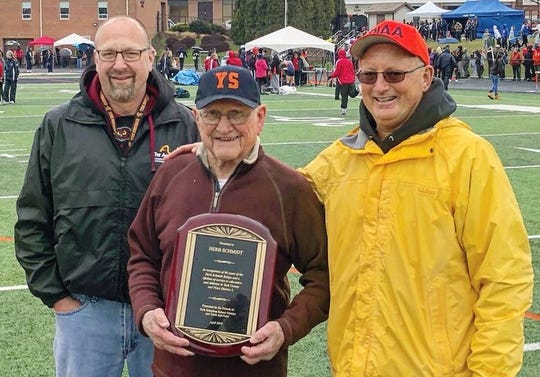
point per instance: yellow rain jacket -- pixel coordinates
(430, 265)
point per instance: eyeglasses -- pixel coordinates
(235, 117)
(391, 77)
(127, 55)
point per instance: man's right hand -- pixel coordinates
(66, 304)
(156, 326)
(183, 149)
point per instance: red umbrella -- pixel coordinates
(44, 40)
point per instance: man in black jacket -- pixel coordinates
(446, 63)
(11, 75)
(90, 165)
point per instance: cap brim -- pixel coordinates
(361, 45)
(208, 100)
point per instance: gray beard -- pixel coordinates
(123, 94)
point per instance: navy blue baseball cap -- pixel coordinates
(228, 82)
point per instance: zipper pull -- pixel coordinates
(214, 202)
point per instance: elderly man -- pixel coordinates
(91, 162)
(230, 174)
(430, 265)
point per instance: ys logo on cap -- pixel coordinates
(227, 80)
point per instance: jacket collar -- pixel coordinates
(202, 153)
(436, 104)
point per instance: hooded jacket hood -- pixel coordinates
(436, 104)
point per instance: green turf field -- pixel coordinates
(297, 128)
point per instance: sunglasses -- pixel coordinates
(391, 77)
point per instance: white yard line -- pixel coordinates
(524, 109)
(13, 288)
(529, 347)
(522, 167)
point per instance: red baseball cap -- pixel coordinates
(398, 33)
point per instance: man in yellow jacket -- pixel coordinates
(430, 265)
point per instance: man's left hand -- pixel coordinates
(267, 342)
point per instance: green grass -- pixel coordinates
(297, 128)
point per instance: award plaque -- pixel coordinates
(221, 282)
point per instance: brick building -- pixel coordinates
(25, 20)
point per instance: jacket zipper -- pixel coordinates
(218, 191)
(215, 201)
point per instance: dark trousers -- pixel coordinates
(529, 71)
(297, 77)
(516, 70)
(10, 89)
(261, 82)
(336, 94)
(446, 74)
(346, 90)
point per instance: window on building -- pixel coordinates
(26, 10)
(228, 6)
(103, 10)
(178, 11)
(64, 10)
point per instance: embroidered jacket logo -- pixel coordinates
(160, 155)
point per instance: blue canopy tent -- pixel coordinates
(489, 13)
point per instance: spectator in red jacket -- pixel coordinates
(233, 59)
(344, 72)
(261, 72)
(211, 62)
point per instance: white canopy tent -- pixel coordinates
(73, 40)
(427, 10)
(290, 38)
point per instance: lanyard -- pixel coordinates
(112, 119)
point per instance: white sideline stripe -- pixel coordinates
(529, 149)
(9, 197)
(13, 288)
(526, 109)
(534, 237)
(522, 167)
(529, 347)
(18, 132)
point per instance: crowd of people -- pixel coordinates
(48, 57)
(270, 70)
(439, 28)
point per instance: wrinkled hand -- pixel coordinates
(267, 342)
(156, 324)
(183, 149)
